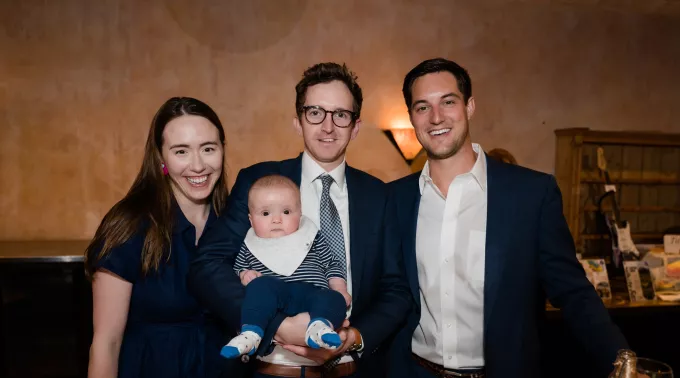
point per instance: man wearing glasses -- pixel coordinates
(349, 207)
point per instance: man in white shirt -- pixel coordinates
(349, 206)
(482, 240)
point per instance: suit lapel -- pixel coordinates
(356, 232)
(498, 207)
(407, 210)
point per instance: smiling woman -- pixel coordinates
(192, 154)
(144, 316)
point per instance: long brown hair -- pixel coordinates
(148, 205)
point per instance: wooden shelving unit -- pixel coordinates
(644, 166)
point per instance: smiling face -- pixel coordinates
(325, 142)
(193, 155)
(439, 114)
(275, 210)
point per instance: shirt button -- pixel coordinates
(448, 325)
(446, 261)
(450, 357)
(446, 294)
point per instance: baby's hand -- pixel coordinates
(249, 275)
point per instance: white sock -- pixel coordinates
(320, 335)
(244, 343)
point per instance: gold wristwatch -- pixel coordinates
(358, 340)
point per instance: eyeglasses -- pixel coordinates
(315, 114)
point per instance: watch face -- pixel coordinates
(357, 340)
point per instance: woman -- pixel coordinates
(146, 324)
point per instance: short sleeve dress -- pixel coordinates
(165, 335)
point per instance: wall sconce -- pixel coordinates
(406, 142)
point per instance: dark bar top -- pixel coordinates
(60, 251)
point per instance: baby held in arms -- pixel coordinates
(287, 267)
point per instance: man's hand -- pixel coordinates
(292, 330)
(248, 275)
(322, 355)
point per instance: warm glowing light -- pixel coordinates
(403, 136)
(402, 123)
(407, 142)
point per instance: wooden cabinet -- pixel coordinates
(644, 166)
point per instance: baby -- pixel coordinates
(288, 267)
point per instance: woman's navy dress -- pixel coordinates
(165, 335)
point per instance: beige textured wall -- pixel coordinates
(80, 81)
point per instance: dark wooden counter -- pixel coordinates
(651, 328)
(621, 302)
(43, 293)
(58, 251)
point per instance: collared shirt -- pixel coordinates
(310, 191)
(450, 254)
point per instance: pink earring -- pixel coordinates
(165, 169)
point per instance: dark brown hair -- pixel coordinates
(325, 73)
(433, 66)
(149, 202)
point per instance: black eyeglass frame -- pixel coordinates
(353, 115)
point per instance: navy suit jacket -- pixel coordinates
(529, 254)
(381, 298)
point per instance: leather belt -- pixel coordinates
(443, 372)
(340, 370)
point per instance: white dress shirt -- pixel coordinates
(310, 191)
(450, 247)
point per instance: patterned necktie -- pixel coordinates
(331, 227)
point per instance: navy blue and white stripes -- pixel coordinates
(320, 265)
